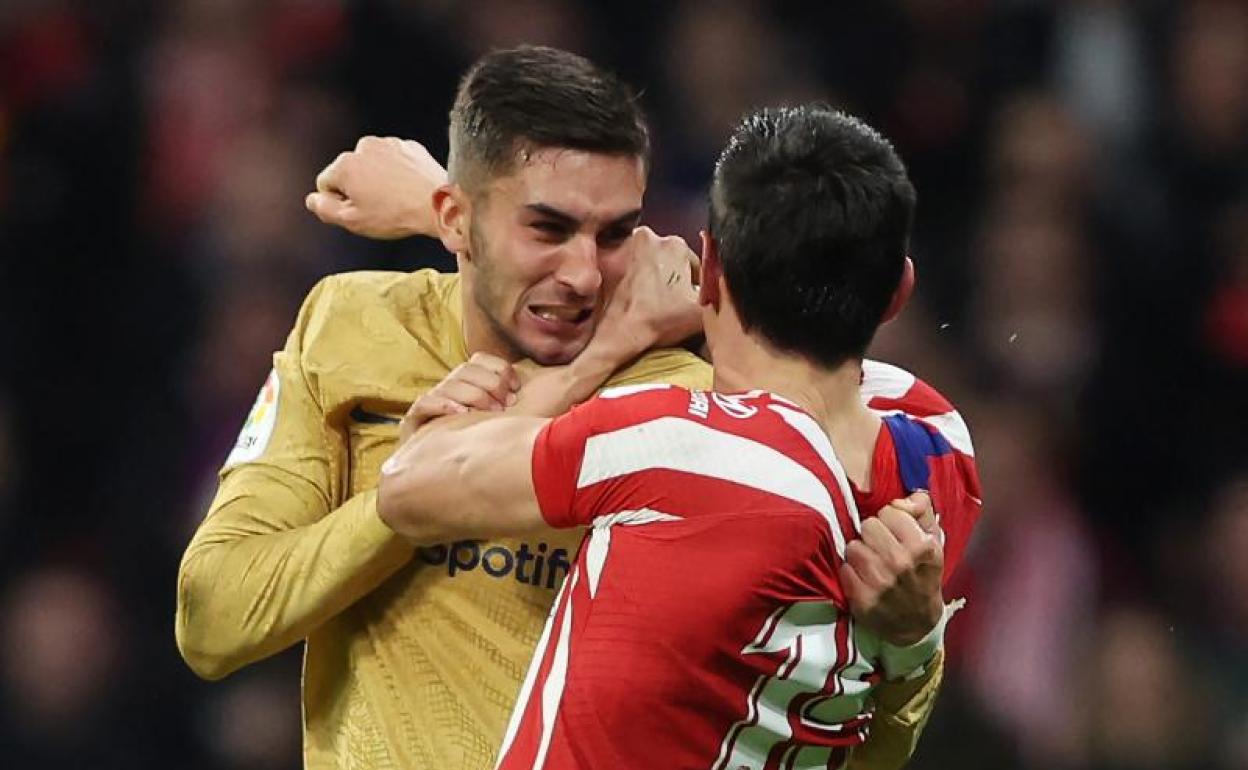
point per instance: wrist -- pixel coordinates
(594, 366)
(556, 390)
(905, 661)
(907, 636)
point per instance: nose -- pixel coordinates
(579, 269)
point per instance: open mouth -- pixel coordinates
(560, 317)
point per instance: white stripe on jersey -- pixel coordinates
(950, 425)
(619, 391)
(819, 441)
(884, 380)
(600, 538)
(677, 444)
(552, 690)
(953, 428)
(526, 689)
(881, 380)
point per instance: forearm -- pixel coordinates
(555, 390)
(463, 477)
(246, 592)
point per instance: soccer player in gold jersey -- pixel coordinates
(414, 657)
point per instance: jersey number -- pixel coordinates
(819, 690)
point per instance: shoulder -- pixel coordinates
(673, 366)
(344, 295)
(630, 406)
(371, 330)
(379, 308)
(889, 389)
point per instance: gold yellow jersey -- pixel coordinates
(413, 657)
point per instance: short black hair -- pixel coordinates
(539, 97)
(811, 210)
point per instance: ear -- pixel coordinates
(452, 216)
(905, 287)
(712, 271)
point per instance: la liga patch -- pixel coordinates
(256, 432)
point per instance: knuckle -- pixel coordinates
(903, 563)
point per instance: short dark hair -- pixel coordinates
(811, 210)
(542, 97)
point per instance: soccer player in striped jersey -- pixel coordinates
(706, 622)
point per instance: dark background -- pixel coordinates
(1082, 246)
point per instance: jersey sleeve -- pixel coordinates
(902, 709)
(278, 554)
(557, 455)
(582, 459)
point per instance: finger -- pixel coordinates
(929, 522)
(505, 370)
(866, 562)
(922, 547)
(919, 506)
(491, 363)
(876, 534)
(330, 208)
(470, 395)
(424, 409)
(916, 504)
(902, 526)
(496, 384)
(857, 592)
(332, 177)
(430, 406)
(695, 267)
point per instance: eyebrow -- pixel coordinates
(567, 219)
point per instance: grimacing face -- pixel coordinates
(548, 246)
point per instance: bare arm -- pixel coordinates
(462, 478)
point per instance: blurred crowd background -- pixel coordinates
(1082, 246)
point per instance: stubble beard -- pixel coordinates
(489, 299)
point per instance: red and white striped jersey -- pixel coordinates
(703, 624)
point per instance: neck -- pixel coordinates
(831, 396)
(477, 328)
(479, 337)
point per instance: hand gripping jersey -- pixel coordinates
(703, 625)
(413, 657)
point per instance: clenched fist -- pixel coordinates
(892, 574)
(382, 189)
(656, 303)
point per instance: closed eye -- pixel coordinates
(551, 230)
(614, 236)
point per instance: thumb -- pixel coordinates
(854, 586)
(917, 504)
(329, 208)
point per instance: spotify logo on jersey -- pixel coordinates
(531, 566)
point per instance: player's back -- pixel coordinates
(702, 624)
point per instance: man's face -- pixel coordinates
(547, 249)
